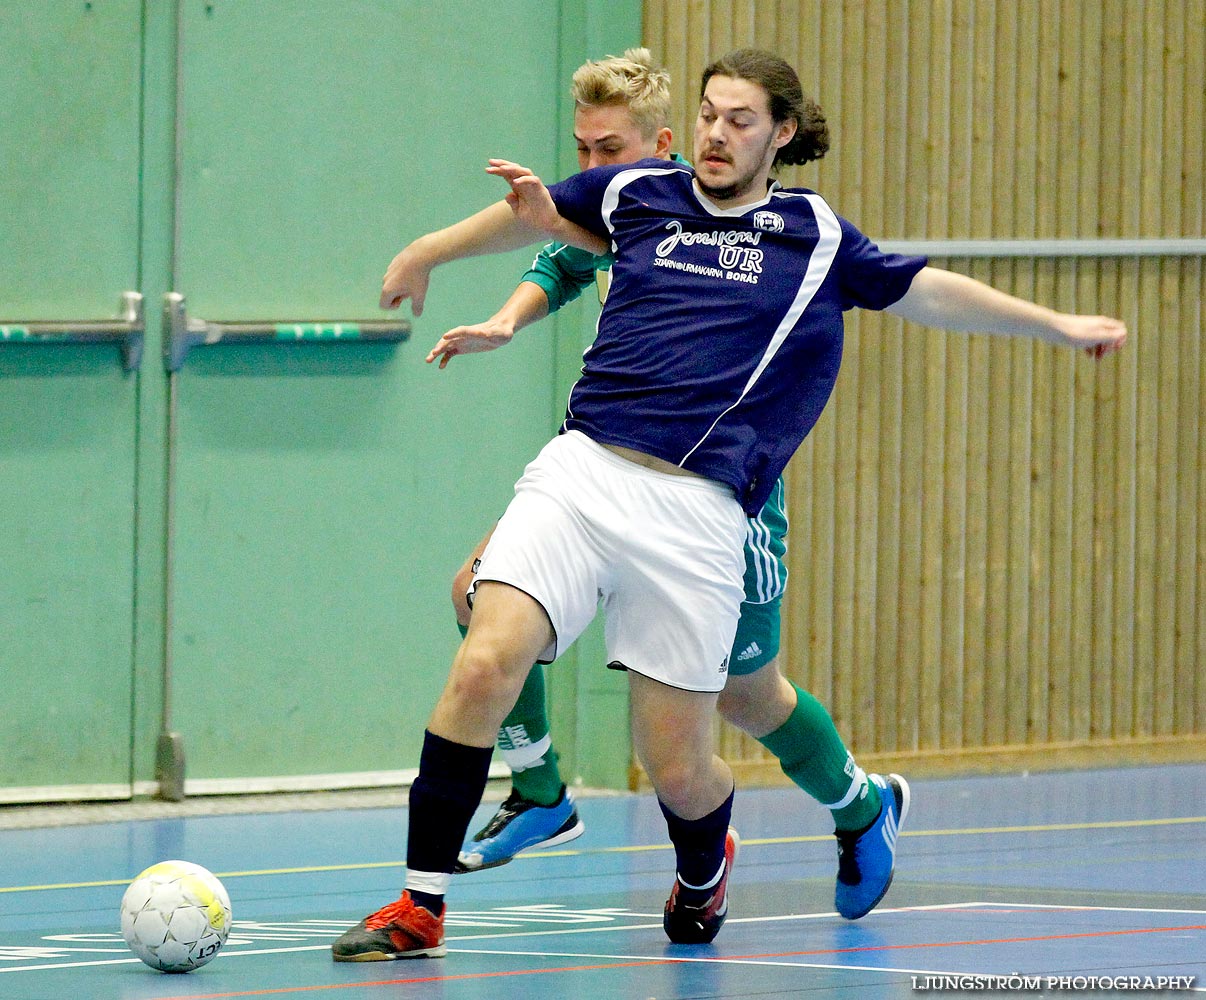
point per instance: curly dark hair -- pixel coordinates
(787, 100)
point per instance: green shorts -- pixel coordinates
(757, 639)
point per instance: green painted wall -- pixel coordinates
(69, 183)
(266, 161)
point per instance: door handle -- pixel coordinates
(185, 332)
(127, 331)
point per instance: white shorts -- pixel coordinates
(663, 553)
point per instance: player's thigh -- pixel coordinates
(541, 547)
(673, 600)
(508, 626)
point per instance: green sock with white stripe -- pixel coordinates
(812, 754)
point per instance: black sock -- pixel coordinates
(699, 847)
(452, 778)
(430, 901)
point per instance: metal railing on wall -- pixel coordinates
(1001, 249)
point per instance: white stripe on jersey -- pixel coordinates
(819, 264)
(611, 197)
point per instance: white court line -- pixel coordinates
(453, 941)
(1068, 906)
(136, 961)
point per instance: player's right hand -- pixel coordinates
(406, 277)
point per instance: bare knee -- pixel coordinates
(732, 706)
(684, 785)
(483, 671)
(464, 580)
(757, 703)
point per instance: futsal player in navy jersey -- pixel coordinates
(621, 115)
(716, 352)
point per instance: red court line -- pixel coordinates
(672, 961)
(426, 979)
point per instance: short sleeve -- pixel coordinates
(563, 272)
(580, 199)
(868, 277)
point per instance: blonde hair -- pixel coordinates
(630, 81)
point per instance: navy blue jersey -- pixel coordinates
(721, 337)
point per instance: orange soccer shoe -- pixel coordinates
(399, 930)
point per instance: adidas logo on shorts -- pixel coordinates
(750, 651)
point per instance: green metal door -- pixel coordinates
(266, 534)
(69, 228)
(326, 493)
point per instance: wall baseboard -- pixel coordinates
(222, 786)
(955, 762)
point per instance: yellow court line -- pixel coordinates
(764, 841)
(640, 848)
(363, 866)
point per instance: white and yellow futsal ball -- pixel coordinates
(175, 916)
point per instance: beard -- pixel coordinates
(727, 191)
(739, 185)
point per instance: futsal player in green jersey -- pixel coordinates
(622, 107)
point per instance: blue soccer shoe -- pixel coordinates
(866, 860)
(520, 825)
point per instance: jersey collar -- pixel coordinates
(732, 213)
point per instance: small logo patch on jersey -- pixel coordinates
(724, 665)
(772, 222)
(750, 651)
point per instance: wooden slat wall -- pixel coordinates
(998, 549)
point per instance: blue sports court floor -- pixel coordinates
(1099, 873)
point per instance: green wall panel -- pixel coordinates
(68, 157)
(326, 495)
(69, 122)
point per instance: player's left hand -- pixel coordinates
(1097, 336)
(529, 198)
(486, 336)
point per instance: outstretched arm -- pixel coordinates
(527, 304)
(492, 230)
(528, 215)
(956, 302)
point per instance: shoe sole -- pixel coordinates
(905, 797)
(573, 833)
(439, 951)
